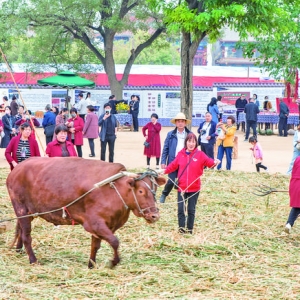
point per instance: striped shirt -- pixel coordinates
(23, 151)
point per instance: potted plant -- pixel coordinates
(122, 108)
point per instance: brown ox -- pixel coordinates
(40, 185)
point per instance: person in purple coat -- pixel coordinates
(91, 128)
(151, 132)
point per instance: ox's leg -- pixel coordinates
(25, 225)
(103, 233)
(19, 238)
(95, 246)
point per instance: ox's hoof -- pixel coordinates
(91, 264)
(112, 263)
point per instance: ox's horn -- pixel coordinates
(129, 174)
(109, 179)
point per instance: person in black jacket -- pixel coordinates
(8, 127)
(113, 102)
(134, 110)
(283, 117)
(240, 104)
(251, 110)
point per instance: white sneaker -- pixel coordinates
(288, 228)
(267, 170)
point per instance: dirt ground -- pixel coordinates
(129, 151)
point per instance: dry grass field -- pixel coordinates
(238, 251)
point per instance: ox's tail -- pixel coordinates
(17, 235)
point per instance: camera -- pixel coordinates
(107, 112)
(203, 132)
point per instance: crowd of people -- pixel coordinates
(183, 157)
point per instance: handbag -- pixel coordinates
(49, 130)
(177, 180)
(2, 134)
(298, 146)
(147, 144)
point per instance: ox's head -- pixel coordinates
(143, 202)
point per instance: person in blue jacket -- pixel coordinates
(108, 132)
(207, 137)
(49, 119)
(174, 142)
(212, 108)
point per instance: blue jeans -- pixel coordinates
(135, 121)
(294, 213)
(282, 126)
(92, 146)
(296, 153)
(228, 153)
(253, 125)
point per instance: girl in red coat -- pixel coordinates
(75, 125)
(190, 163)
(294, 191)
(151, 132)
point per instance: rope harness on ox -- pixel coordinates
(152, 174)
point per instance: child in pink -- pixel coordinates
(257, 153)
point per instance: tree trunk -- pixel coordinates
(188, 52)
(116, 88)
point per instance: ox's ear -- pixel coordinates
(161, 180)
(130, 182)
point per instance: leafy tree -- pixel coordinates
(82, 32)
(161, 52)
(279, 52)
(196, 19)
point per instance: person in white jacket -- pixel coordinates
(81, 107)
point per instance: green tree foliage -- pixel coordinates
(196, 19)
(161, 52)
(83, 32)
(280, 50)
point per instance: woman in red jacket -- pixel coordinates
(151, 132)
(75, 125)
(21, 147)
(190, 163)
(294, 191)
(60, 147)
